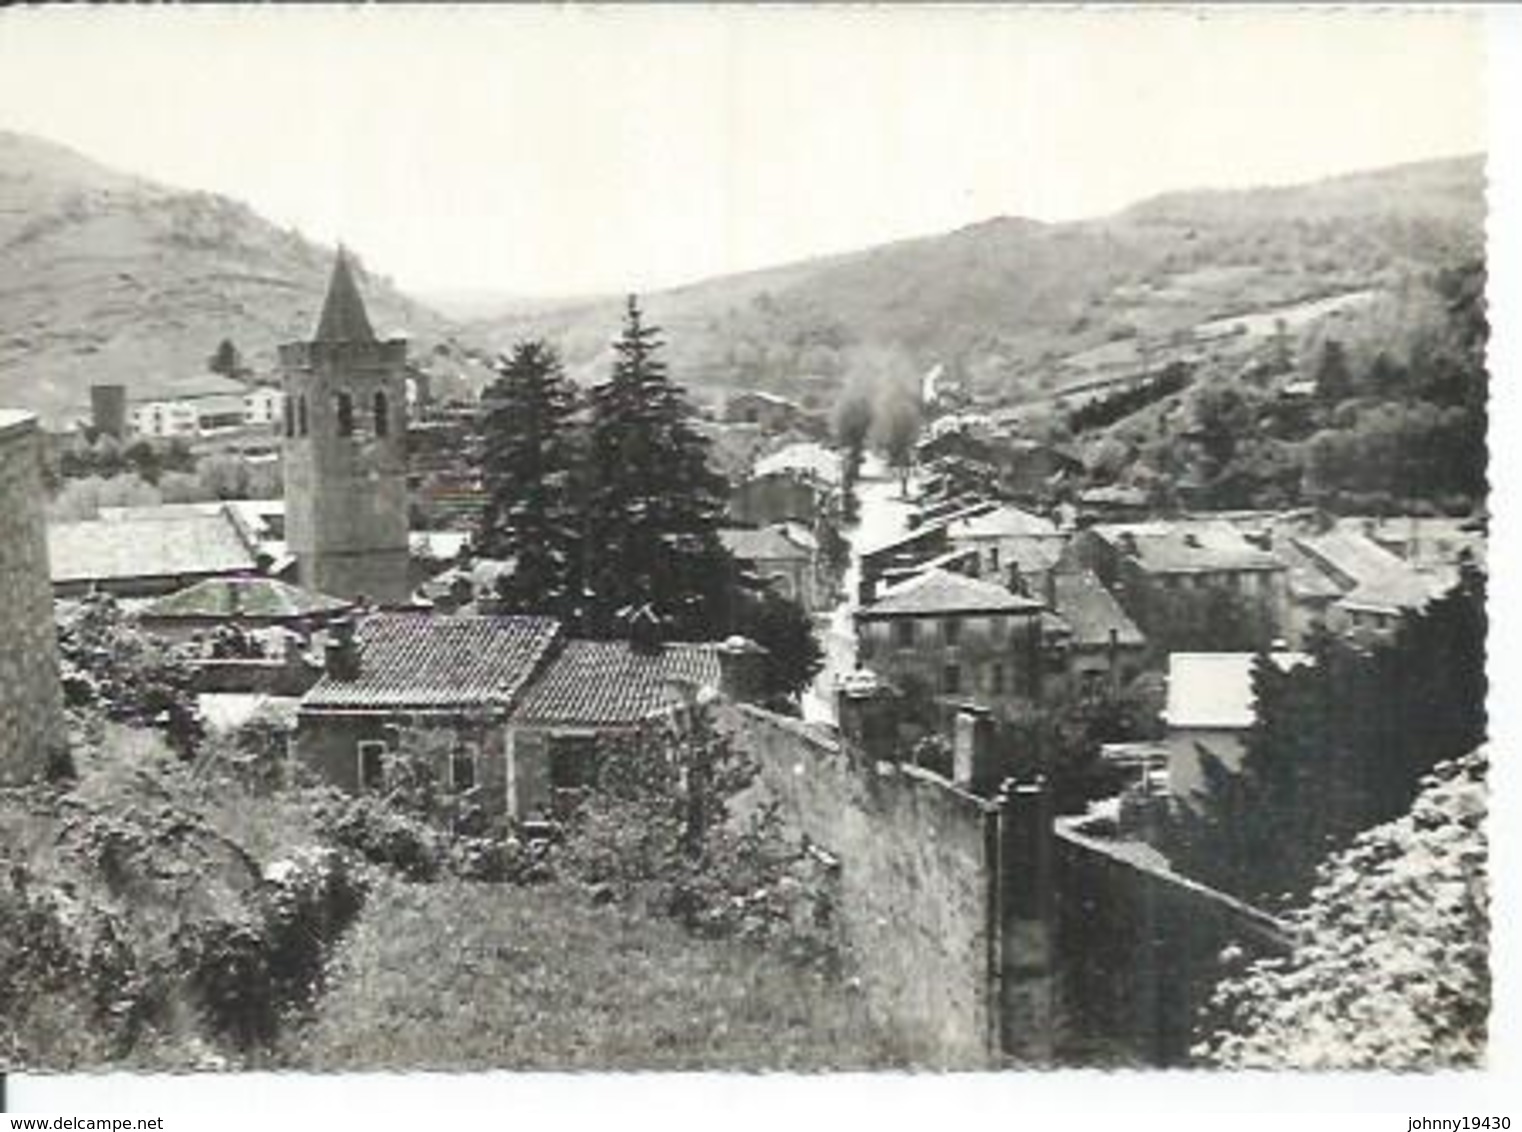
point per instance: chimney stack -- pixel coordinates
(108, 410)
(742, 668)
(974, 766)
(342, 650)
(868, 717)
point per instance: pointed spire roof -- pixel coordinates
(343, 311)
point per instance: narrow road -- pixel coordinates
(882, 515)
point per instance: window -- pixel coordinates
(290, 419)
(463, 764)
(993, 558)
(301, 415)
(372, 764)
(573, 762)
(996, 679)
(382, 417)
(903, 634)
(951, 630)
(345, 406)
(951, 679)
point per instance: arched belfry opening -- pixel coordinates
(346, 482)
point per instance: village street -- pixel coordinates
(883, 514)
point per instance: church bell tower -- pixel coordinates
(344, 450)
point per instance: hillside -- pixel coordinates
(107, 277)
(1007, 299)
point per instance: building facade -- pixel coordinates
(345, 427)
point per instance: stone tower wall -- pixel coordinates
(346, 496)
(31, 703)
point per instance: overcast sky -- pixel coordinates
(558, 151)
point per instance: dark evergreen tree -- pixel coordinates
(529, 456)
(655, 505)
(1340, 745)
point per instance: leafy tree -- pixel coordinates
(655, 504)
(1334, 381)
(852, 422)
(127, 675)
(897, 420)
(529, 463)
(780, 626)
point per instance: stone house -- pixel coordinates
(589, 690)
(783, 556)
(459, 675)
(1210, 710)
(1104, 649)
(773, 413)
(1352, 585)
(518, 705)
(960, 638)
(1189, 584)
(1007, 542)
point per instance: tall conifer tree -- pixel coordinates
(655, 505)
(529, 460)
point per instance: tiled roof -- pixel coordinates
(1091, 612)
(807, 457)
(178, 545)
(608, 682)
(1003, 522)
(419, 661)
(248, 597)
(940, 592)
(1307, 579)
(1168, 547)
(1214, 689)
(1368, 574)
(764, 545)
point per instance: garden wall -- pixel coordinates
(1138, 948)
(919, 882)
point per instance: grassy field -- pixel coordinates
(466, 976)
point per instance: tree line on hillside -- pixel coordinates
(885, 413)
(1390, 419)
(609, 508)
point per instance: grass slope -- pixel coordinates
(466, 976)
(105, 277)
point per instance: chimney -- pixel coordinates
(867, 712)
(645, 629)
(108, 410)
(742, 669)
(974, 757)
(342, 650)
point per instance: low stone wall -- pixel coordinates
(31, 701)
(1137, 949)
(918, 882)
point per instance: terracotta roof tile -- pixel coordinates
(420, 661)
(608, 682)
